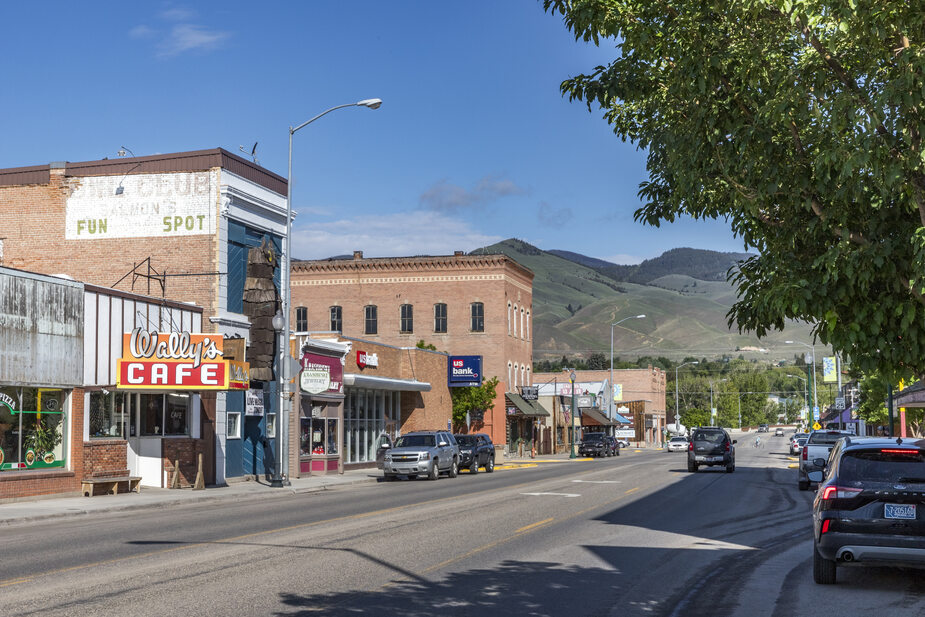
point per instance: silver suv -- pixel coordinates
(427, 453)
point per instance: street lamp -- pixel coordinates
(813, 348)
(571, 436)
(613, 409)
(284, 399)
(677, 426)
(805, 401)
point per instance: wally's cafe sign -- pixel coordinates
(177, 361)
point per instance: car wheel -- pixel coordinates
(691, 467)
(454, 468)
(474, 467)
(823, 569)
(490, 465)
(434, 471)
(617, 452)
(730, 468)
(803, 485)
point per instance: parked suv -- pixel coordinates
(426, 453)
(594, 444)
(614, 445)
(711, 445)
(476, 450)
(870, 506)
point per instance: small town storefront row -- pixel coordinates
(357, 396)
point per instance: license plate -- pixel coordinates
(899, 510)
(709, 459)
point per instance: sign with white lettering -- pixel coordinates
(148, 205)
(253, 403)
(177, 361)
(321, 374)
(530, 393)
(367, 359)
(464, 371)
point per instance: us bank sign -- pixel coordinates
(149, 205)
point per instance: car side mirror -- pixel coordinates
(819, 462)
(735, 441)
(815, 476)
(442, 444)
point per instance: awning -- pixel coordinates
(385, 383)
(527, 408)
(619, 419)
(596, 417)
(913, 396)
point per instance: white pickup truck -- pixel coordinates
(818, 445)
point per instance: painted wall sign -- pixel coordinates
(464, 371)
(321, 374)
(149, 205)
(253, 403)
(177, 361)
(367, 359)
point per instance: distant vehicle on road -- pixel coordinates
(778, 432)
(594, 444)
(476, 450)
(427, 453)
(678, 444)
(614, 446)
(800, 442)
(711, 445)
(623, 443)
(817, 447)
(762, 428)
(794, 446)
(870, 506)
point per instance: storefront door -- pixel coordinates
(144, 453)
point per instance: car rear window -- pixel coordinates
(825, 438)
(898, 466)
(678, 439)
(711, 436)
(466, 440)
(415, 441)
(593, 437)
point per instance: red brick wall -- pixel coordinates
(187, 452)
(105, 458)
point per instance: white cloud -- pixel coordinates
(624, 260)
(141, 32)
(419, 232)
(188, 37)
(446, 197)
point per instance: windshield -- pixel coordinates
(678, 440)
(466, 440)
(879, 466)
(711, 436)
(415, 441)
(593, 437)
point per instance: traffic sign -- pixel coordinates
(816, 426)
(815, 413)
(840, 402)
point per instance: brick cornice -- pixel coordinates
(405, 264)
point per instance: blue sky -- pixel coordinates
(473, 143)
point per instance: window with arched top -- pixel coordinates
(528, 325)
(523, 374)
(515, 320)
(521, 322)
(529, 381)
(514, 385)
(508, 319)
(509, 374)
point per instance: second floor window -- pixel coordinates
(407, 318)
(372, 320)
(301, 319)
(478, 317)
(337, 321)
(440, 317)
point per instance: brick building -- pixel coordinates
(176, 226)
(461, 304)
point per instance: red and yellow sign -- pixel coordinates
(177, 361)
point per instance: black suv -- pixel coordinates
(476, 450)
(711, 445)
(594, 444)
(870, 506)
(614, 445)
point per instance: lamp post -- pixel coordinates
(815, 398)
(676, 398)
(282, 431)
(571, 437)
(805, 401)
(613, 409)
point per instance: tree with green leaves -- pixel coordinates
(800, 122)
(473, 399)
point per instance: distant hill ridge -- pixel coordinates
(699, 264)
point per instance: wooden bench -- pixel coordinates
(111, 484)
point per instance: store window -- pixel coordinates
(372, 319)
(407, 318)
(233, 427)
(271, 425)
(32, 428)
(368, 414)
(319, 436)
(337, 319)
(477, 310)
(440, 317)
(164, 414)
(301, 319)
(108, 417)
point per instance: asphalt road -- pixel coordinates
(634, 535)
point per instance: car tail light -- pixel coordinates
(690, 446)
(805, 452)
(825, 525)
(728, 446)
(839, 492)
(906, 452)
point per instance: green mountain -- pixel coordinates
(683, 293)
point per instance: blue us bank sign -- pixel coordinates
(464, 371)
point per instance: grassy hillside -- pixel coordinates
(574, 305)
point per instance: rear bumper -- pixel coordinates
(870, 549)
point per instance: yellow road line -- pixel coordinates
(631, 490)
(793, 465)
(15, 582)
(532, 525)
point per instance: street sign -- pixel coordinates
(815, 413)
(816, 426)
(840, 402)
